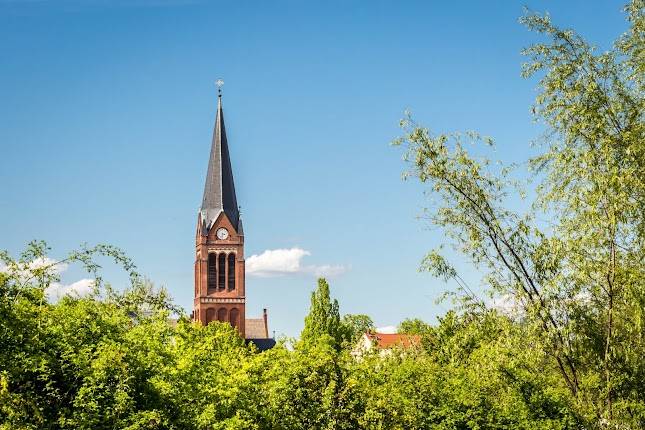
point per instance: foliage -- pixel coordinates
(115, 360)
(579, 280)
(308, 388)
(594, 104)
(323, 319)
(356, 325)
(476, 374)
(414, 326)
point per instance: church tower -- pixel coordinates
(219, 261)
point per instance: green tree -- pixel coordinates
(414, 326)
(69, 364)
(594, 104)
(113, 360)
(478, 374)
(310, 387)
(580, 282)
(418, 327)
(323, 320)
(356, 325)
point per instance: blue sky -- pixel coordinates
(107, 110)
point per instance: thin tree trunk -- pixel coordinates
(610, 321)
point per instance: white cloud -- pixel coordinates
(78, 289)
(53, 265)
(56, 290)
(53, 268)
(276, 262)
(388, 329)
(281, 262)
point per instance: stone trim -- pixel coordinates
(221, 250)
(222, 300)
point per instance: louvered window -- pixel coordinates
(212, 272)
(221, 260)
(231, 272)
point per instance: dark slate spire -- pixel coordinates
(219, 190)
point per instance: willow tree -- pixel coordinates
(580, 279)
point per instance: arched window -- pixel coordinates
(231, 272)
(221, 314)
(212, 272)
(210, 315)
(234, 317)
(221, 271)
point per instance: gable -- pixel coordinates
(222, 220)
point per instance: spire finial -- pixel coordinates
(219, 84)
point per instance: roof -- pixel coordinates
(219, 189)
(384, 341)
(262, 344)
(255, 328)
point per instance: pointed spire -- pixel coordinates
(219, 190)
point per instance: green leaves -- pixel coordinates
(594, 104)
(113, 360)
(323, 319)
(356, 326)
(581, 280)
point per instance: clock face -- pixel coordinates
(222, 233)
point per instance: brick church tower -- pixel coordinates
(220, 293)
(219, 262)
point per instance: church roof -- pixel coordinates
(255, 328)
(262, 344)
(219, 189)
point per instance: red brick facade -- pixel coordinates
(223, 298)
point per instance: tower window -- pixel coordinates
(221, 314)
(221, 268)
(231, 272)
(212, 272)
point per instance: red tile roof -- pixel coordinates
(384, 341)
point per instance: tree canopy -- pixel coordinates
(569, 356)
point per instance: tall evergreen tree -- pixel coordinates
(323, 320)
